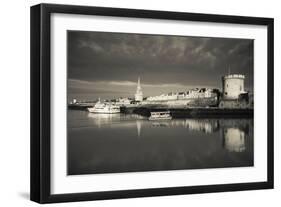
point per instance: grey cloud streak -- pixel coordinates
(158, 59)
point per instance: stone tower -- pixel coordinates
(139, 94)
(232, 86)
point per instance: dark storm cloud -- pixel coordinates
(100, 57)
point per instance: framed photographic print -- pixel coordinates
(132, 103)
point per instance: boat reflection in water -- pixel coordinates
(233, 131)
(110, 143)
(101, 119)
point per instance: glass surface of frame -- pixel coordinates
(139, 97)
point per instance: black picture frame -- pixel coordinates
(41, 98)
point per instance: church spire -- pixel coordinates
(139, 94)
(139, 86)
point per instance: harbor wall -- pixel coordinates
(179, 111)
(194, 112)
(80, 106)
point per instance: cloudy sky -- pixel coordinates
(107, 65)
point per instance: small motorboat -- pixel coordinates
(160, 115)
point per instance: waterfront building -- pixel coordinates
(73, 101)
(233, 94)
(139, 94)
(123, 101)
(190, 94)
(232, 86)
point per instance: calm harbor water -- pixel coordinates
(111, 143)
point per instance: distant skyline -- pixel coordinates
(107, 65)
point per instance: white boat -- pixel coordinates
(104, 108)
(160, 115)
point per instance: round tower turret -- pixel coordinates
(232, 86)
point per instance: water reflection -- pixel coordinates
(109, 143)
(203, 125)
(138, 122)
(233, 131)
(100, 119)
(234, 140)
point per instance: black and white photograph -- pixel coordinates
(132, 103)
(149, 102)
